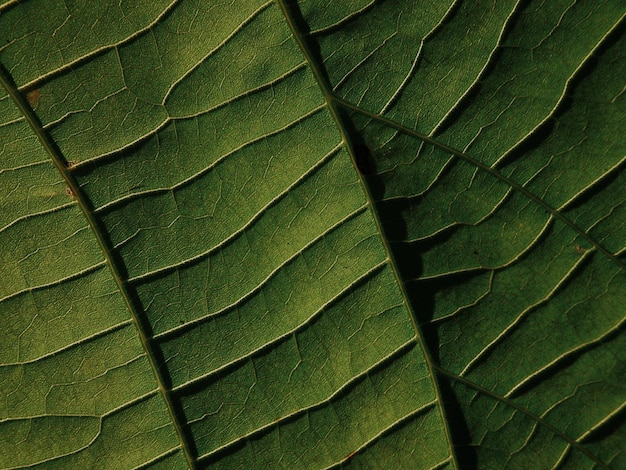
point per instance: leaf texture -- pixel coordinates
(313, 234)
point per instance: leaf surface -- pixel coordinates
(312, 234)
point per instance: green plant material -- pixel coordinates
(387, 234)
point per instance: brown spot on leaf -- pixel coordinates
(33, 98)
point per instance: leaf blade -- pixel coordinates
(311, 280)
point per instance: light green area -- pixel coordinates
(317, 436)
(34, 440)
(42, 38)
(194, 272)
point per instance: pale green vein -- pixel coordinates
(67, 347)
(605, 217)
(501, 267)
(566, 356)
(345, 20)
(56, 282)
(404, 348)
(562, 458)
(116, 270)
(369, 55)
(463, 308)
(100, 419)
(36, 214)
(9, 124)
(493, 211)
(58, 457)
(567, 87)
(185, 182)
(590, 187)
(244, 94)
(219, 46)
(372, 272)
(416, 60)
(190, 261)
(162, 125)
(117, 151)
(60, 242)
(266, 280)
(74, 64)
(9, 4)
(479, 76)
(131, 403)
(440, 465)
(606, 419)
(507, 331)
(152, 462)
(388, 430)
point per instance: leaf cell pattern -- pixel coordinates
(312, 234)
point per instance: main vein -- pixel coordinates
(115, 266)
(332, 103)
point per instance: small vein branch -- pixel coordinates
(537, 419)
(555, 212)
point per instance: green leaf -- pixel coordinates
(312, 234)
